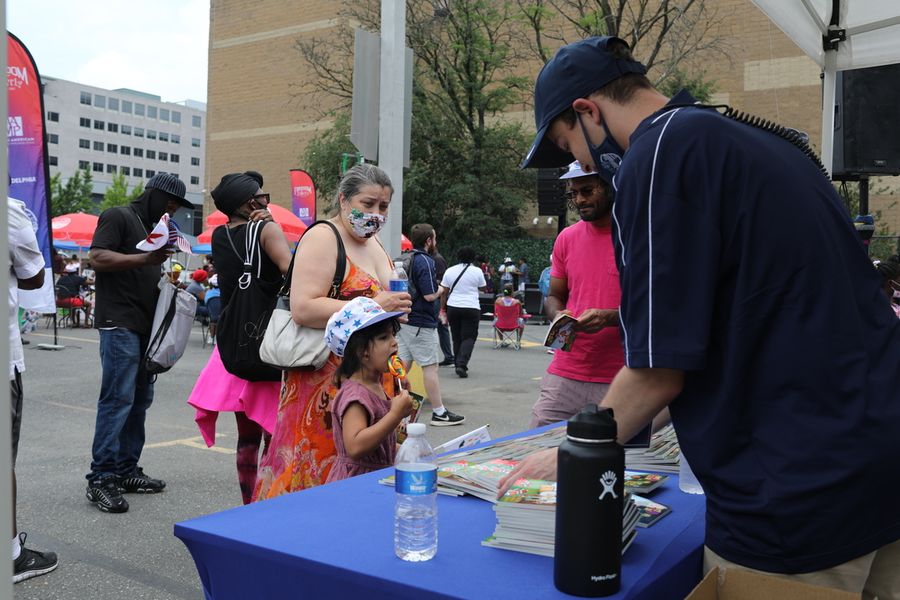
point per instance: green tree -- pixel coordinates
(117, 193)
(884, 243)
(72, 197)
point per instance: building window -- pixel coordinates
(98, 167)
(163, 156)
(138, 172)
(113, 104)
(174, 158)
(176, 139)
(84, 122)
(149, 173)
(151, 154)
(151, 134)
(83, 164)
(195, 162)
(151, 112)
(110, 168)
(54, 161)
(98, 146)
(126, 150)
(86, 98)
(126, 106)
(138, 132)
(112, 148)
(54, 138)
(125, 171)
(195, 120)
(99, 101)
(195, 142)
(112, 127)
(126, 129)
(83, 143)
(53, 116)
(195, 180)
(139, 109)
(164, 114)
(99, 125)
(163, 136)
(139, 152)
(176, 116)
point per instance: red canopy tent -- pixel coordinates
(291, 224)
(74, 227)
(405, 244)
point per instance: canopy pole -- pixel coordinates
(828, 91)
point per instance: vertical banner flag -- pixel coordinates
(28, 169)
(303, 196)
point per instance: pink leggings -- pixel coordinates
(250, 436)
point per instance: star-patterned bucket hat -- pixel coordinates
(357, 314)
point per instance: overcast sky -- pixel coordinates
(154, 46)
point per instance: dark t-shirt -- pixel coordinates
(124, 298)
(229, 261)
(739, 265)
(424, 313)
(70, 284)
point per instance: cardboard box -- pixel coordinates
(738, 584)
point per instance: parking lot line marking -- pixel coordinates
(191, 442)
(525, 343)
(64, 337)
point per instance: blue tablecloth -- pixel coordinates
(336, 541)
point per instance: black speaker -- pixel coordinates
(867, 122)
(551, 192)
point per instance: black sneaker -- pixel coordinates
(32, 563)
(106, 495)
(462, 372)
(447, 419)
(138, 483)
(447, 362)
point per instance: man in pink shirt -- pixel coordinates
(584, 283)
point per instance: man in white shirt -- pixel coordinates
(463, 281)
(26, 272)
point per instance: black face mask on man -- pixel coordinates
(599, 153)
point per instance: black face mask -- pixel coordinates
(157, 204)
(599, 152)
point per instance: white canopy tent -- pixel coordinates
(838, 35)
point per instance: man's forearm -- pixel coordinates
(637, 395)
(553, 305)
(107, 260)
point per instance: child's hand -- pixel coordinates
(402, 404)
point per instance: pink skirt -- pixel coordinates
(217, 391)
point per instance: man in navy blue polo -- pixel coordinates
(751, 310)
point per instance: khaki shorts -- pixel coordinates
(562, 398)
(419, 344)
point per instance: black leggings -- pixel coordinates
(464, 331)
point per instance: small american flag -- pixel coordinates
(176, 238)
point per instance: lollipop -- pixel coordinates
(395, 366)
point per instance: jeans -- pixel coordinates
(126, 392)
(464, 329)
(444, 337)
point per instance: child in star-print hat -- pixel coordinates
(357, 314)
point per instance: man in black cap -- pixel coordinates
(127, 289)
(750, 309)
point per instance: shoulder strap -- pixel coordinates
(452, 287)
(339, 268)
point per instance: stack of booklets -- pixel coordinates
(526, 519)
(662, 455)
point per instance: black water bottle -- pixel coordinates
(589, 500)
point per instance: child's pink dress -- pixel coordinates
(377, 406)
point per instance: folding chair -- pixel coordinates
(508, 324)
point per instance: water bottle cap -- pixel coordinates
(415, 429)
(593, 423)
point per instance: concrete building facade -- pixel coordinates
(124, 131)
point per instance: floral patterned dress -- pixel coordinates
(302, 449)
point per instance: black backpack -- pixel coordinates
(244, 319)
(407, 259)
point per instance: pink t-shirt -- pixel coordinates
(583, 256)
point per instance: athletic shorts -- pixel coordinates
(419, 344)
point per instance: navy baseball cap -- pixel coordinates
(575, 71)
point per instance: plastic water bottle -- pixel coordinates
(415, 514)
(399, 280)
(687, 481)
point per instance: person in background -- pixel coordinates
(213, 301)
(365, 417)
(443, 329)
(418, 336)
(196, 289)
(523, 270)
(26, 272)
(209, 265)
(751, 310)
(462, 283)
(69, 294)
(302, 449)
(489, 273)
(544, 286)
(58, 261)
(890, 274)
(127, 289)
(240, 197)
(508, 274)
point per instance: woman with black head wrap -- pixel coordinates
(254, 403)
